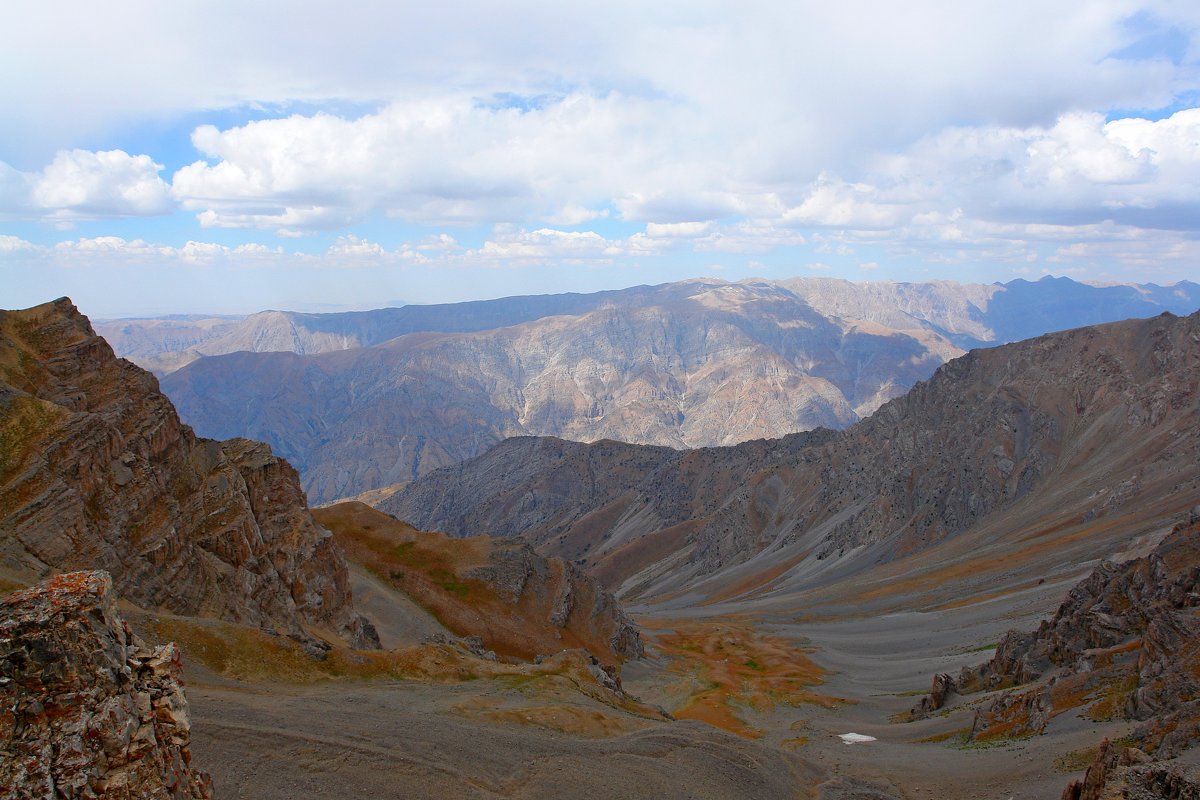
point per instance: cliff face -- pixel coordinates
(86, 710)
(1062, 434)
(97, 471)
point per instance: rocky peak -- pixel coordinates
(97, 471)
(86, 709)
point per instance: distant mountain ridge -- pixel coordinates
(697, 363)
(1053, 448)
(969, 315)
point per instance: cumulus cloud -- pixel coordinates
(946, 131)
(1005, 193)
(547, 244)
(83, 184)
(451, 160)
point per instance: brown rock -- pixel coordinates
(96, 471)
(943, 687)
(500, 592)
(74, 719)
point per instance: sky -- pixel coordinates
(227, 157)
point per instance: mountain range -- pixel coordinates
(791, 591)
(1067, 444)
(692, 364)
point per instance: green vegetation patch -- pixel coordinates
(22, 427)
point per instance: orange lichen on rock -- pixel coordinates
(88, 710)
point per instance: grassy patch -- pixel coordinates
(729, 667)
(1076, 760)
(1111, 704)
(22, 428)
(959, 734)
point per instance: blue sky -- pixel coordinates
(227, 157)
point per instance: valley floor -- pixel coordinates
(481, 739)
(508, 737)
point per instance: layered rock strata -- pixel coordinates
(97, 471)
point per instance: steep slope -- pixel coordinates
(1042, 450)
(699, 363)
(89, 710)
(518, 603)
(97, 472)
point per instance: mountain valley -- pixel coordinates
(749, 620)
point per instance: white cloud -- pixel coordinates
(946, 129)
(451, 160)
(82, 184)
(13, 244)
(547, 244)
(109, 250)
(677, 230)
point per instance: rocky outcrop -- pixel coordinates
(1119, 772)
(86, 709)
(570, 597)
(97, 471)
(500, 592)
(1124, 644)
(1067, 432)
(1127, 634)
(940, 692)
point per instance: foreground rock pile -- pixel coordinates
(87, 710)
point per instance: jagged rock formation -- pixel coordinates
(499, 592)
(1122, 773)
(944, 687)
(698, 363)
(1045, 440)
(86, 709)
(1124, 644)
(97, 471)
(1126, 641)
